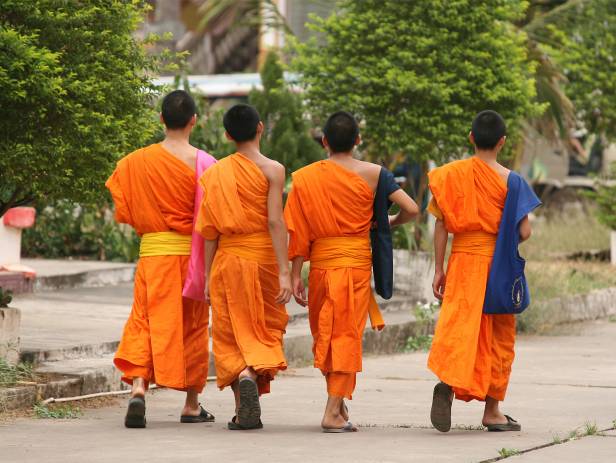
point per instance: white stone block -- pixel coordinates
(10, 319)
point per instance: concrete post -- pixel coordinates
(10, 319)
(613, 247)
(10, 244)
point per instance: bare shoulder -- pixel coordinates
(273, 170)
(503, 171)
(370, 172)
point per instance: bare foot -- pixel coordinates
(248, 372)
(344, 411)
(492, 413)
(493, 418)
(333, 421)
(138, 388)
(189, 411)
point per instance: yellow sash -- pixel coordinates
(347, 252)
(474, 242)
(165, 244)
(253, 246)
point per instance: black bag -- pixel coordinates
(380, 236)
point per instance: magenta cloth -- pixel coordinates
(194, 286)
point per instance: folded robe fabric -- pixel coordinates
(329, 213)
(380, 236)
(165, 339)
(507, 290)
(247, 323)
(471, 351)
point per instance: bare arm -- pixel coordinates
(525, 230)
(299, 291)
(278, 229)
(210, 252)
(408, 208)
(440, 247)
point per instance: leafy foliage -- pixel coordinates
(77, 92)
(424, 319)
(65, 229)
(287, 138)
(6, 296)
(605, 197)
(582, 40)
(417, 75)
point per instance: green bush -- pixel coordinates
(6, 296)
(66, 229)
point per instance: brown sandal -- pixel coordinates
(440, 414)
(510, 425)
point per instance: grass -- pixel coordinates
(548, 280)
(560, 235)
(551, 275)
(11, 375)
(506, 453)
(424, 317)
(590, 429)
(421, 342)
(58, 412)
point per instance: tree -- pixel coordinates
(416, 74)
(605, 196)
(582, 41)
(76, 95)
(287, 137)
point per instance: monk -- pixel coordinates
(472, 352)
(165, 339)
(248, 279)
(329, 213)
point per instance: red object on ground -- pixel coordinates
(19, 217)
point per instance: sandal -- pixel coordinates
(233, 425)
(346, 428)
(510, 425)
(135, 415)
(203, 417)
(440, 414)
(249, 411)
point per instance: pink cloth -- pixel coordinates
(194, 286)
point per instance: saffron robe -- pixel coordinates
(165, 339)
(247, 323)
(471, 351)
(329, 213)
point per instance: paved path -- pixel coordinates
(79, 316)
(559, 384)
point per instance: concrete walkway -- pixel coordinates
(559, 384)
(67, 318)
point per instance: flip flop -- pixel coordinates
(233, 425)
(203, 417)
(346, 428)
(249, 411)
(510, 425)
(440, 414)
(135, 415)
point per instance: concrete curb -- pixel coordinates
(38, 356)
(88, 278)
(600, 303)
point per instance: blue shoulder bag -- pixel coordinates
(507, 290)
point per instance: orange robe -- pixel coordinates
(329, 214)
(165, 339)
(247, 323)
(471, 351)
